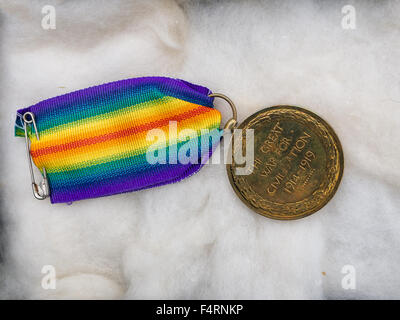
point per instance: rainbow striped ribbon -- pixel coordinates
(93, 142)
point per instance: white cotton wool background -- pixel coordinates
(195, 239)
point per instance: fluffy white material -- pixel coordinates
(195, 239)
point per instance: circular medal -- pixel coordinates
(297, 167)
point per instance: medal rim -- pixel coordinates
(306, 213)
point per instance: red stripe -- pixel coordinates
(119, 134)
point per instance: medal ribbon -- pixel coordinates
(93, 142)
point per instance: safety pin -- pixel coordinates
(41, 191)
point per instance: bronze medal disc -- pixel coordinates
(298, 163)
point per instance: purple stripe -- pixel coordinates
(140, 181)
(69, 99)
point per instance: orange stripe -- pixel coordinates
(118, 134)
(119, 148)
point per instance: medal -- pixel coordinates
(298, 163)
(141, 133)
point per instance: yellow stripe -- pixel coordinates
(112, 122)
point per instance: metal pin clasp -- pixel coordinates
(41, 191)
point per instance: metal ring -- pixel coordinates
(26, 120)
(232, 122)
